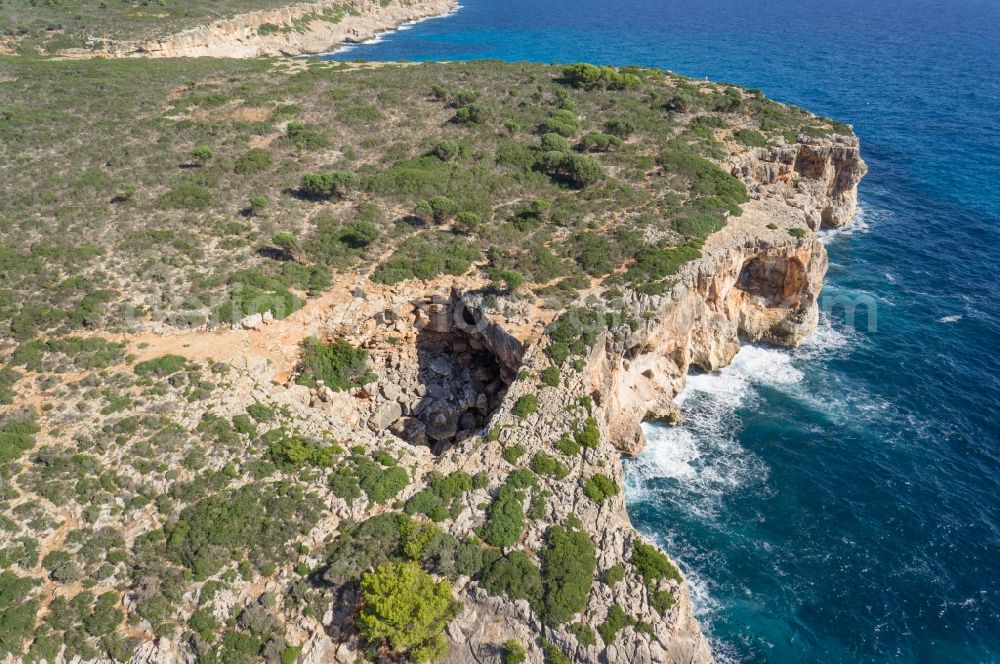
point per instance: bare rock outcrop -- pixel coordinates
(820, 176)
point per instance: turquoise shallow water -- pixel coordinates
(839, 502)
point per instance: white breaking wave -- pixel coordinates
(857, 224)
(703, 456)
(695, 466)
(826, 341)
(949, 319)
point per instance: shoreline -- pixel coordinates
(296, 30)
(381, 36)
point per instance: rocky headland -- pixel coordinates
(481, 425)
(446, 370)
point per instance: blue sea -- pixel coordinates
(839, 502)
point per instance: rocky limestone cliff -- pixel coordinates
(819, 176)
(755, 281)
(301, 28)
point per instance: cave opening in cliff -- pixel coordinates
(457, 380)
(773, 281)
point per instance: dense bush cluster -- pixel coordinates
(256, 522)
(404, 608)
(441, 498)
(338, 364)
(588, 77)
(600, 487)
(654, 567)
(568, 564)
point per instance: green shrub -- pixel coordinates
(8, 379)
(425, 257)
(257, 521)
(596, 141)
(105, 617)
(798, 232)
(584, 634)
(613, 575)
(513, 453)
(621, 128)
(568, 564)
(254, 160)
(652, 565)
(663, 600)
(552, 654)
(449, 150)
(706, 178)
(590, 435)
(526, 405)
(575, 169)
(441, 498)
(522, 478)
(561, 122)
(201, 154)
(17, 614)
(568, 445)
(344, 484)
(516, 155)
(543, 464)
(468, 221)
(257, 205)
(439, 209)
(512, 652)
(406, 611)
(589, 77)
(305, 137)
(600, 487)
(338, 364)
(164, 365)
(550, 376)
(654, 264)
(504, 518)
(380, 485)
(515, 576)
(553, 142)
(751, 138)
(506, 280)
(291, 452)
(698, 226)
(327, 185)
(16, 437)
(260, 412)
(472, 114)
(187, 196)
(616, 621)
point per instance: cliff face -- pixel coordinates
(306, 27)
(755, 281)
(819, 176)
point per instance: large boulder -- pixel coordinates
(385, 415)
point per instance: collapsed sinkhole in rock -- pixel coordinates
(454, 377)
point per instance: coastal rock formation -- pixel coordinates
(820, 176)
(760, 285)
(302, 28)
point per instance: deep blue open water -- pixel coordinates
(839, 502)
